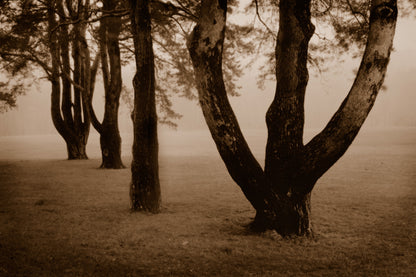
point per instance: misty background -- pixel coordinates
(395, 106)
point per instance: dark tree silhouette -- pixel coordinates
(145, 187)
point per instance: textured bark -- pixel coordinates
(285, 116)
(288, 215)
(205, 46)
(281, 194)
(145, 187)
(292, 216)
(330, 144)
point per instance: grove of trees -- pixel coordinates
(69, 39)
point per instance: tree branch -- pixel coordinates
(332, 142)
(262, 22)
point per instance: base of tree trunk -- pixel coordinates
(291, 219)
(144, 201)
(145, 192)
(76, 151)
(111, 152)
(111, 165)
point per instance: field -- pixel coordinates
(69, 218)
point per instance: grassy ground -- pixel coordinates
(68, 218)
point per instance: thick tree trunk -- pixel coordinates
(76, 149)
(284, 213)
(293, 216)
(110, 142)
(145, 187)
(285, 118)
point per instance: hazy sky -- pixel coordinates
(394, 107)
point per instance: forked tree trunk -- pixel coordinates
(281, 194)
(69, 111)
(145, 187)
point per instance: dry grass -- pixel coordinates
(68, 218)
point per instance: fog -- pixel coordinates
(394, 106)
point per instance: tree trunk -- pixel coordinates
(76, 149)
(285, 213)
(288, 215)
(281, 194)
(110, 140)
(145, 187)
(285, 118)
(74, 128)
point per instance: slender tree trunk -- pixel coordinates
(145, 187)
(110, 140)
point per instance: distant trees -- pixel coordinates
(281, 193)
(58, 37)
(51, 36)
(66, 39)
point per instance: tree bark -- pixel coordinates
(330, 144)
(281, 194)
(205, 46)
(145, 187)
(285, 116)
(288, 215)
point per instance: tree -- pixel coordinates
(110, 58)
(51, 35)
(74, 122)
(145, 187)
(281, 193)
(147, 24)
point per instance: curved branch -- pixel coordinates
(329, 145)
(262, 22)
(205, 46)
(94, 120)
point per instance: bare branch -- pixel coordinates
(262, 22)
